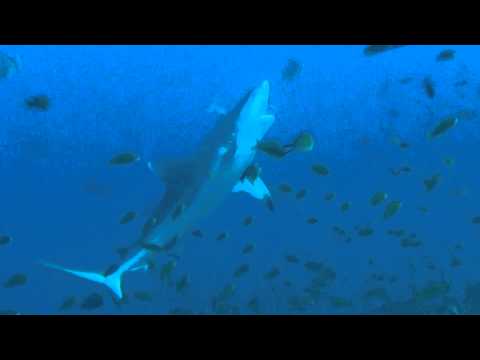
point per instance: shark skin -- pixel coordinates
(195, 187)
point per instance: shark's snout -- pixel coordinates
(265, 87)
(260, 98)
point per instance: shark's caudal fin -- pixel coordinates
(112, 281)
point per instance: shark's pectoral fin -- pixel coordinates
(257, 189)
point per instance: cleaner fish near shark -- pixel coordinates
(199, 184)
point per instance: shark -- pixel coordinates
(196, 185)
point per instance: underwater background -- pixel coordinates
(382, 125)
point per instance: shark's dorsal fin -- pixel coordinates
(176, 175)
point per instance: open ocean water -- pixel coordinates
(381, 216)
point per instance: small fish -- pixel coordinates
(329, 196)
(124, 159)
(272, 148)
(395, 172)
(170, 244)
(180, 311)
(292, 259)
(455, 262)
(429, 87)
(378, 198)
(182, 284)
(377, 293)
(248, 249)
(8, 66)
(365, 231)
(433, 290)
(5, 239)
(303, 142)
(339, 302)
(476, 220)
(287, 283)
(443, 126)
(272, 273)
(129, 216)
(253, 305)
(432, 182)
(391, 209)
(197, 233)
(371, 261)
(312, 220)
(410, 242)
(110, 270)
(251, 173)
(400, 170)
(345, 206)
(285, 188)
(143, 296)
(406, 80)
(460, 83)
(291, 70)
(178, 211)
(446, 55)
(301, 194)
(449, 161)
(222, 236)
(325, 276)
(67, 304)
(241, 270)
(38, 102)
(227, 292)
(313, 293)
(299, 303)
(339, 231)
(461, 191)
(248, 221)
(167, 269)
(320, 169)
(372, 50)
(423, 209)
(92, 302)
(148, 226)
(378, 277)
(15, 280)
(152, 247)
(313, 266)
(150, 265)
(269, 202)
(9, 312)
(393, 279)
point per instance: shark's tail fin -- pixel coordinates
(112, 281)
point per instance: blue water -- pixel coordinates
(153, 100)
